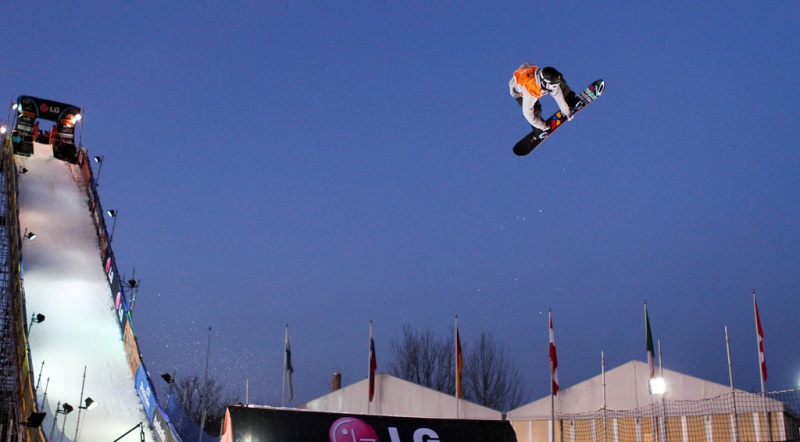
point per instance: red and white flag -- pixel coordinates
(762, 360)
(553, 358)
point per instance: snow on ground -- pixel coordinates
(64, 280)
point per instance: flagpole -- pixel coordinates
(733, 391)
(552, 392)
(762, 363)
(663, 426)
(372, 365)
(650, 366)
(369, 367)
(760, 341)
(650, 349)
(205, 386)
(283, 386)
(458, 372)
(605, 408)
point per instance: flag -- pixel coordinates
(553, 358)
(288, 366)
(650, 349)
(373, 364)
(761, 357)
(459, 362)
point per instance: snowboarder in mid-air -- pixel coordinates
(530, 83)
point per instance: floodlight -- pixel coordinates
(37, 318)
(98, 159)
(113, 214)
(66, 408)
(30, 235)
(34, 420)
(90, 404)
(658, 386)
(167, 378)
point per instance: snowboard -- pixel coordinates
(536, 136)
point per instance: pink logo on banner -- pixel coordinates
(350, 429)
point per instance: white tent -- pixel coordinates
(621, 399)
(397, 397)
(626, 389)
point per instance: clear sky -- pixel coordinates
(324, 164)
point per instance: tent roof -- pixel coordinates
(395, 396)
(626, 388)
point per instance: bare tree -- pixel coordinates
(424, 360)
(198, 396)
(491, 378)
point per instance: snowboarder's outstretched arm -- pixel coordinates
(558, 95)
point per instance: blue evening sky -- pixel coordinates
(325, 164)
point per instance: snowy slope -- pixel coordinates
(64, 280)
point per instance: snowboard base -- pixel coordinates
(536, 136)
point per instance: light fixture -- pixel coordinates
(34, 420)
(3, 130)
(98, 159)
(167, 378)
(113, 214)
(36, 318)
(29, 235)
(658, 386)
(65, 410)
(90, 404)
(22, 169)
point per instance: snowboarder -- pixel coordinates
(529, 84)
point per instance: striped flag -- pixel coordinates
(553, 358)
(650, 349)
(762, 359)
